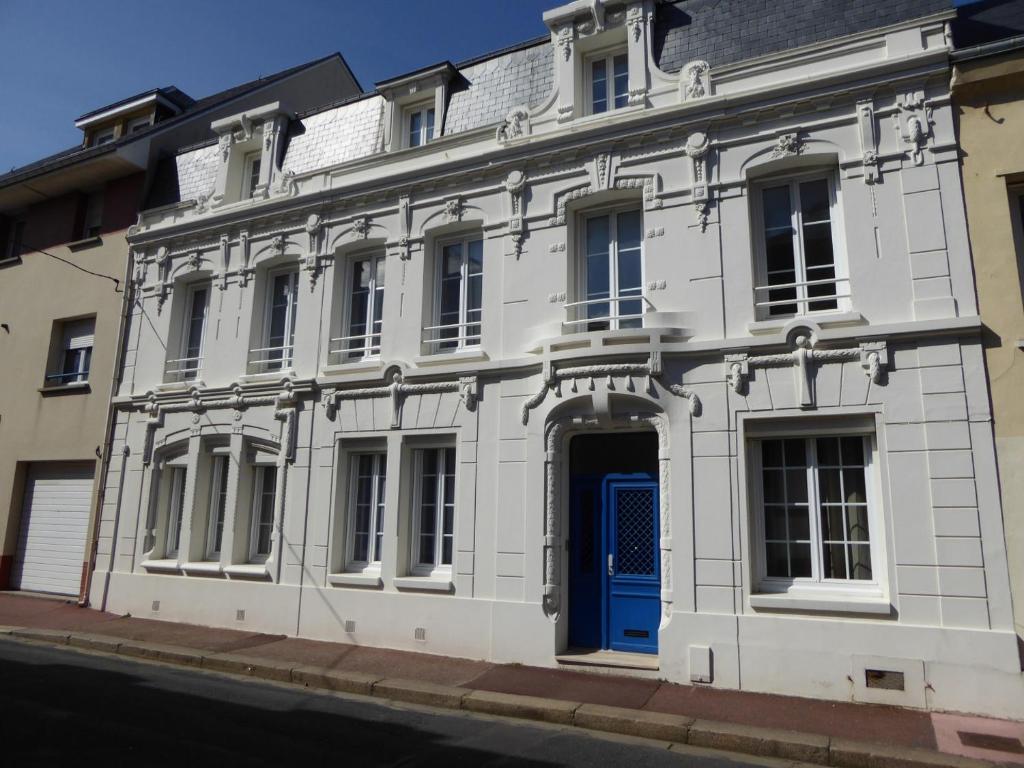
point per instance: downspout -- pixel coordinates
(111, 421)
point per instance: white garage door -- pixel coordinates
(54, 522)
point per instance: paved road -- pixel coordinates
(59, 707)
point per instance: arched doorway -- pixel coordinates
(614, 559)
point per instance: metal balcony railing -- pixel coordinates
(605, 313)
(802, 296)
(453, 336)
(352, 347)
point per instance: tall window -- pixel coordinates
(459, 299)
(366, 510)
(609, 82)
(11, 236)
(251, 174)
(282, 300)
(174, 511)
(262, 527)
(420, 124)
(92, 215)
(218, 506)
(814, 507)
(612, 274)
(192, 335)
(434, 509)
(798, 267)
(366, 307)
(75, 353)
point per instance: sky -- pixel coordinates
(62, 58)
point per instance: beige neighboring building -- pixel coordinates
(988, 91)
(64, 271)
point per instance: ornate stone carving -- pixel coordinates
(514, 185)
(602, 169)
(360, 227)
(565, 112)
(453, 209)
(398, 390)
(693, 80)
(311, 263)
(196, 403)
(915, 116)
(635, 20)
(589, 374)
(873, 357)
(516, 125)
(563, 200)
(246, 270)
(868, 142)
(786, 145)
(697, 147)
(564, 40)
(163, 273)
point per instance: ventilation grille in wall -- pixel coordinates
(884, 678)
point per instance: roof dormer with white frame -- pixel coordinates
(415, 106)
(250, 147)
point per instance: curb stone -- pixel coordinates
(751, 740)
(421, 692)
(844, 753)
(677, 729)
(336, 680)
(525, 707)
(633, 722)
(264, 669)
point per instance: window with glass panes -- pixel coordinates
(460, 294)
(262, 529)
(421, 126)
(366, 510)
(175, 510)
(434, 529)
(76, 354)
(609, 82)
(815, 509)
(613, 270)
(282, 304)
(251, 175)
(192, 338)
(798, 272)
(366, 307)
(218, 505)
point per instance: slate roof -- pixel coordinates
(78, 152)
(987, 22)
(726, 31)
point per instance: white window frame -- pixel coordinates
(816, 586)
(181, 371)
(82, 345)
(436, 345)
(290, 317)
(608, 55)
(579, 318)
(841, 280)
(252, 164)
(378, 511)
(256, 511)
(220, 472)
(92, 217)
(437, 569)
(175, 509)
(105, 136)
(427, 132)
(138, 124)
(369, 350)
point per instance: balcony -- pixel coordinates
(453, 337)
(182, 369)
(801, 298)
(361, 346)
(603, 314)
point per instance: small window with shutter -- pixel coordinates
(75, 353)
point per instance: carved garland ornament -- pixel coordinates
(398, 390)
(285, 402)
(873, 356)
(588, 374)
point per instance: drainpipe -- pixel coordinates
(111, 421)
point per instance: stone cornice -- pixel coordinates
(495, 159)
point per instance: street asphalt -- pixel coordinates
(59, 707)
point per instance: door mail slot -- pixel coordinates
(636, 633)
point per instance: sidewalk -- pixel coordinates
(834, 733)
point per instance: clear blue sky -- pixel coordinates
(62, 58)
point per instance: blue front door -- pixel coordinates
(615, 578)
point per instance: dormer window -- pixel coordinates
(251, 175)
(138, 124)
(104, 136)
(420, 123)
(608, 75)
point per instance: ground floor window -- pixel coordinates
(218, 506)
(175, 508)
(366, 510)
(262, 528)
(814, 510)
(433, 510)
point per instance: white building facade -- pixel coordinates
(569, 348)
